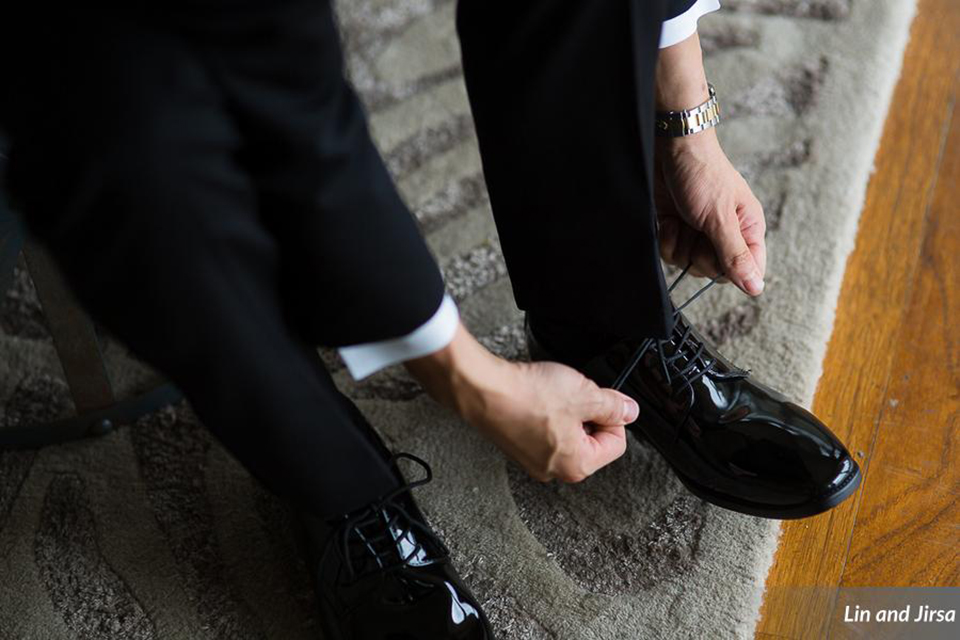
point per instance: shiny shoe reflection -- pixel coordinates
(731, 440)
(382, 574)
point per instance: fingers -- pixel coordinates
(607, 407)
(595, 450)
(669, 233)
(677, 241)
(703, 259)
(571, 429)
(738, 262)
(606, 411)
(681, 245)
(603, 446)
(754, 228)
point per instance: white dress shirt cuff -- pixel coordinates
(433, 335)
(684, 25)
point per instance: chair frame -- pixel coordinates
(98, 411)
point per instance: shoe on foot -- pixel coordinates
(730, 440)
(381, 573)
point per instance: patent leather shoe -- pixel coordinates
(730, 440)
(381, 573)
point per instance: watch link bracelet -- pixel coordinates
(673, 124)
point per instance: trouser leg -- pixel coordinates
(562, 98)
(133, 181)
(355, 267)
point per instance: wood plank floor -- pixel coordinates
(891, 383)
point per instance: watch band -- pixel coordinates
(673, 124)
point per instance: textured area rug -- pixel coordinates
(156, 532)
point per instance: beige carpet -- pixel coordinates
(155, 532)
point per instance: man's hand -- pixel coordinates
(547, 417)
(708, 215)
(552, 420)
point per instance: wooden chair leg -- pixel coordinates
(73, 334)
(75, 339)
(11, 242)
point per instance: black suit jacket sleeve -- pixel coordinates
(675, 7)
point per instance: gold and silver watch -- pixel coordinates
(673, 124)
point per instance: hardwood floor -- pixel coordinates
(891, 383)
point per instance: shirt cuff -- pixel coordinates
(684, 25)
(433, 335)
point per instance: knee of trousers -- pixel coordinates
(133, 194)
(153, 241)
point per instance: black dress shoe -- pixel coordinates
(381, 573)
(730, 440)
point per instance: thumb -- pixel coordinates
(739, 264)
(609, 407)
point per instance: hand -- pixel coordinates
(553, 421)
(708, 215)
(547, 417)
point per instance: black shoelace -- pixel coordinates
(391, 525)
(687, 364)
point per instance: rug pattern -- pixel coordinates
(156, 532)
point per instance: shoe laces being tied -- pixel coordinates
(384, 536)
(689, 360)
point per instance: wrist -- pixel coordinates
(680, 80)
(677, 93)
(473, 370)
(696, 145)
(463, 375)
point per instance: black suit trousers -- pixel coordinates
(209, 187)
(562, 98)
(204, 175)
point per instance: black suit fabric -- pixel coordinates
(204, 176)
(210, 190)
(562, 97)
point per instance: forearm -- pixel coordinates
(681, 82)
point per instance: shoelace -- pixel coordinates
(687, 363)
(383, 546)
